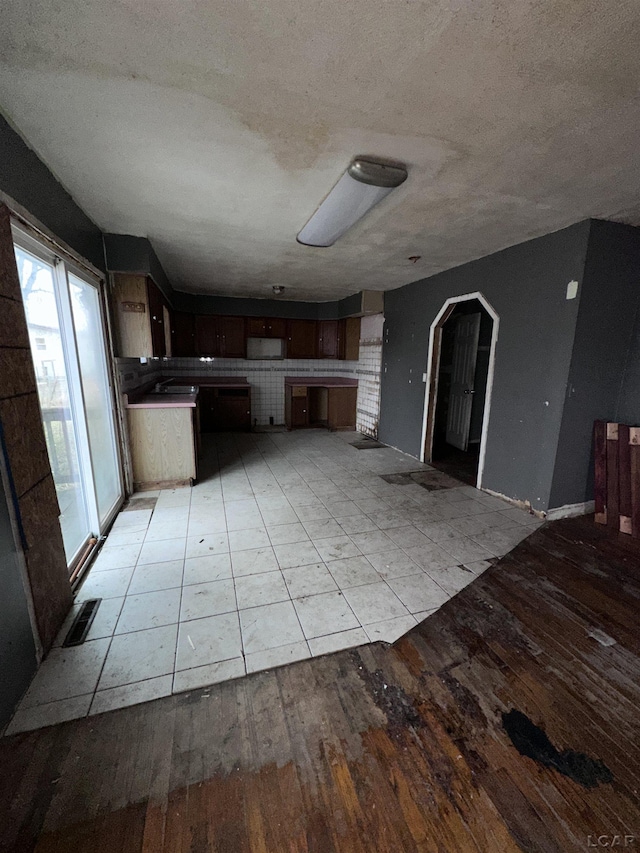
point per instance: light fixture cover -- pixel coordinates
(363, 185)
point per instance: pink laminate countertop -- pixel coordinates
(321, 381)
(162, 401)
(211, 381)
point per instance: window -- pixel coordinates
(64, 317)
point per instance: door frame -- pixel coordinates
(433, 370)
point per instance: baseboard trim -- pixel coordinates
(571, 510)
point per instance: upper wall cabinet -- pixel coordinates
(207, 335)
(266, 327)
(220, 337)
(142, 317)
(183, 335)
(302, 341)
(328, 339)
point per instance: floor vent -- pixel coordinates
(81, 624)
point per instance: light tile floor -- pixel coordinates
(290, 546)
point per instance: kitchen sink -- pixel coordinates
(174, 389)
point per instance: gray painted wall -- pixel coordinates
(526, 285)
(201, 304)
(126, 253)
(598, 387)
(17, 648)
(27, 180)
(628, 406)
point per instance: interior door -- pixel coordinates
(463, 370)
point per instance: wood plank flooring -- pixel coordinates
(378, 749)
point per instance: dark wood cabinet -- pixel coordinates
(225, 409)
(156, 317)
(302, 339)
(341, 408)
(231, 337)
(320, 405)
(266, 327)
(328, 339)
(183, 335)
(349, 339)
(296, 406)
(219, 337)
(206, 335)
(276, 327)
(256, 327)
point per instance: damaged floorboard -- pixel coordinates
(399, 748)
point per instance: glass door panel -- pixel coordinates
(38, 283)
(94, 377)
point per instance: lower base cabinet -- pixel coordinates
(163, 443)
(311, 406)
(225, 409)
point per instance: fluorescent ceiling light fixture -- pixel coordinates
(362, 186)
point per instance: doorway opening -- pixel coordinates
(459, 380)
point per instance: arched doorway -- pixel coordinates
(462, 344)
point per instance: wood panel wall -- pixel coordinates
(26, 460)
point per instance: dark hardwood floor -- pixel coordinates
(397, 748)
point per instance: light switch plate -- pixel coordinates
(572, 290)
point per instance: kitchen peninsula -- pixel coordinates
(165, 421)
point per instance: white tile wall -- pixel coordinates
(368, 374)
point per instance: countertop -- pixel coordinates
(321, 381)
(144, 400)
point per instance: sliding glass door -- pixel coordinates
(66, 332)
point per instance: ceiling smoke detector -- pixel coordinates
(278, 289)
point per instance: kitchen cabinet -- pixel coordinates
(266, 327)
(156, 318)
(140, 314)
(328, 339)
(316, 402)
(225, 409)
(232, 337)
(296, 407)
(302, 339)
(183, 335)
(349, 339)
(163, 445)
(220, 337)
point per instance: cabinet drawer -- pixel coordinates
(299, 391)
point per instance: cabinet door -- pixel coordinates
(342, 408)
(328, 339)
(183, 335)
(302, 339)
(350, 342)
(131, 314)
(232, 409)
(206, 404)
(299, 412)
(206, 335)
(276, 327)
(156, 315)
(232, 337)
(256, 327)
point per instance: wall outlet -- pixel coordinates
(572, 290)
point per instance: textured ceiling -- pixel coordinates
(215, 128)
